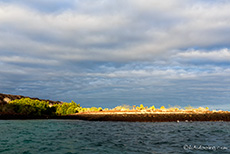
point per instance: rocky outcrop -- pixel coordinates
(152, 117)
(6, 98)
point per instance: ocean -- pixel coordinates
(98, 137)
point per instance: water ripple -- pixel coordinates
(82, 137)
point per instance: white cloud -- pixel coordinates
(27, 60)
(116, 49)
(127, 35)
(199, 56)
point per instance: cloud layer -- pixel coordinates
(122, 52)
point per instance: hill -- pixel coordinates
(5, 98)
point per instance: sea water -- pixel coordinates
(91, 137)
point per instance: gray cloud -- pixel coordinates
(103, 52)
(138, 33)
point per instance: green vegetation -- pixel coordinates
(27, 106)
(152, 107)
(92, 109)
(162, 108)
(31, 107)
(67, 108)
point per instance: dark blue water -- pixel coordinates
(85, 137)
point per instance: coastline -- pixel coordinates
(31, 108)
(154, 117)
(131, 117)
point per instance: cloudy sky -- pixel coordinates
(108, 53)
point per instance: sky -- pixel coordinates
(108, 53)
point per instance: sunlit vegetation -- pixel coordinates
(143, 108)
(27, 106)
(31, 107)
(189, 107)
(122, 108)
(92, 109)
(67, 108)
(174, 108)
(152, 107)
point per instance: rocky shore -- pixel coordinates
(155, 117)
(146, 117)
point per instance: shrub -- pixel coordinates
(29, 106)
(174, 108)
(123, 108)
(67, 108)
(93, 109)
(33, 107)
(142, 107)
(189, 107)
(152, 107)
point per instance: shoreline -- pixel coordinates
(131, 117)
(155, 117)
(29, 108)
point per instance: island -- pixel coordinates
(21, 107)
